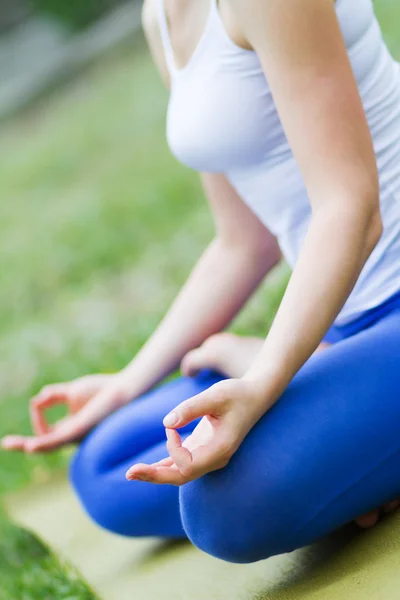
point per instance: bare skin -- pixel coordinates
(232, 355)
(225, 352)
(243, 251)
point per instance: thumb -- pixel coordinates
(208, 402)
(67, 431)
(195, 361)
(74, 427)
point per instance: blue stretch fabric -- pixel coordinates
(327, 452)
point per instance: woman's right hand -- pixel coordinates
(88, 400)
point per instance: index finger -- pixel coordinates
(69, 432)
(13, 443)
(50, 396)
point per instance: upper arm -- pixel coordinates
(305, 60)
(153, 36)
(235, 223)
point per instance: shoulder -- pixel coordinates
(151, 28)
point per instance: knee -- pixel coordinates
(99, 493)
(90, 486)
(226, 523)
(127, 508)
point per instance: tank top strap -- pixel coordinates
(165, 37)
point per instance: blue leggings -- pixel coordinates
(327, 452)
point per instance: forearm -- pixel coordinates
(335, 250)
(328, 268)
(222, 281)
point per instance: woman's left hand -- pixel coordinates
(229, 409)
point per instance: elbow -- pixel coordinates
(359, 220)
(362, 207)
(263, 250)
(268, 251)
(374, 229)
(367, 218)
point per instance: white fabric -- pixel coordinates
(222, 118)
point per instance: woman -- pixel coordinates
(291, 111)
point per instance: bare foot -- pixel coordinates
(370, 519)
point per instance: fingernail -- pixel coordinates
(132, 477)
(171, 419)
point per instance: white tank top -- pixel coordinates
(222, 118)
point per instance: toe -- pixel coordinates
(391, 506)
(368, 520)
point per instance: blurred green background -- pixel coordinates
(99, 226)
(75, 13)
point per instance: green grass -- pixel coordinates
(99, 226)
(28, 571)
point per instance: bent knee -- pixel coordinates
(92, 490)
(230, 528)
(101, 494)
(127, 508)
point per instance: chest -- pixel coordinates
(187, 21)
(221, 114)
